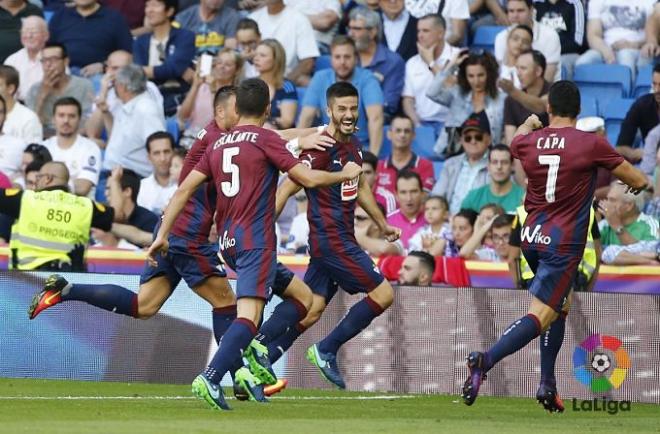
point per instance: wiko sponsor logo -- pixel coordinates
(600, 363)
(536, 236)
(226, 242)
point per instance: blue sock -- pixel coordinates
(235, 340)
(282, 343)
(113, 298)
(519, 334)
(222, 319)
(551, 342)
(356, 320)
(287, 314)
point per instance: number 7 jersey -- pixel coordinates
(561, 165)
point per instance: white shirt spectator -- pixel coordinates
(394, 29)
(137, 120)
(307, 7)
(622, 20)
(23, 123)
(31, 72)
(415, 242)
(11, 155)
(452, 10)
(417, 81)
(114, 104)
(299, 232)
(509, 73)
(292, 29)
(249, 70)
(83, 159)
(154, 196)
(546, 40)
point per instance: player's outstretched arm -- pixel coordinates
(286, 189)
(310, 178)
(367, 201)
(174, 208)
(632, 177)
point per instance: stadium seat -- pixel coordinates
(588, 107)
(614, 111)
(437, 168)
(322, 62)
(301, 95)
(172, 125)
(603, 82)
(564, 73)
(424, 142)
(484, 38)
(48, 15)
(643, 82)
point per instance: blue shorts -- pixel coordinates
(283, 277)
(353, 271)
(554, 275)
(255, 272)
(187, 260)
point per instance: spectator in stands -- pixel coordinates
(410, 215)
(11, 148)
(651, 153)
(11, 14)
(519, 41)
(567, 18)
(546, 40)
(370, 238)
(500, 189)
(469, 170)
(433, 57)
(294, 31)
(433, 237)
(133, 13)
(214, 24)
(641, 253)
(33, 153)
(344, 68)
(90, 32)
(596, 125)
(196, 110)
(487, 13)
(384, 197)
(157, 188)
(138, 118)
(387, 66)
(247, 39)
(616, 33)
(34, 34)
(643, 117)
(107, 102)
(417, 269)
(456, 14)
(57, 83)
(399, 28)
(490, 239)
(30, 175)
(270, 61)
(324, 15)
(299, 231)
(533, 96)
(166, 53)
(178, 156)
(81, 155)
(462, 228)
(474, 91)
(624, 223)
(20, 121)
(487, 213)
(402, 133)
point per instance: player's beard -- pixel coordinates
(343, 129)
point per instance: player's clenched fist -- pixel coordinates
(351, 170)
(391, 233)
(158, 246)
(533, 122)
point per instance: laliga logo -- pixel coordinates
(600, 363)
(226, 242)
(536, 237)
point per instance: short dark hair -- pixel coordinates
(402, 116)
(468, 214)
(526, 28)
(10, 75)
(180, 152)
(170, 4)
(538, 58)
(160, 135)
(438, 20)
(656, 68)
(502, 220)
(409, 174)
(67, 101)
(39, 152)
(65, 53)
(370, 159)
(426, 260)
(529, 3)
(252, 97)
(497, 209)
(500, 147)
(342, 40)
(34, 166)
(340, 89)
(441, 199)
(130, 179)
(223, 94)
(248, 24)
(564, 99)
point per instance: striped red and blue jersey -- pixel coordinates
(331, 210)
(244, 164)
(561, 165)
(195, 221)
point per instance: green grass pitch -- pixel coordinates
(46, 406)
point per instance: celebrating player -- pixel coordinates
(336, 258)
(560, 163)
(243, 164)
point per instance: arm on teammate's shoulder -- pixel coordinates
(631, 176)
(10, 201)
(285, 190)
(310, 178)
(132, 234)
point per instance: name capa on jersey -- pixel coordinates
(236, 136)
(550, 142)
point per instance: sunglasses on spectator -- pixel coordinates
(470, 137)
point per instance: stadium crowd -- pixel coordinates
(118, 91)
